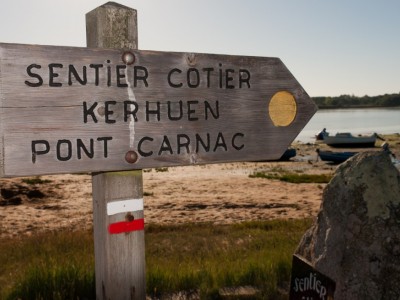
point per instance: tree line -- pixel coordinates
(351, 101)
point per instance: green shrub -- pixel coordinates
(35, 180)
(294, 178)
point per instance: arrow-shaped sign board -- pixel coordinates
(70, 110)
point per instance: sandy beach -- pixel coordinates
(218, 193)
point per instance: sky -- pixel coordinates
(332, 47)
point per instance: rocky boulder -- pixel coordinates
(355, 239)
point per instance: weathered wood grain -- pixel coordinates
(119, 258)
(57, 113)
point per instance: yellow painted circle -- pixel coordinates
(282, 108)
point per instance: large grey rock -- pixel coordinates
(356, 237)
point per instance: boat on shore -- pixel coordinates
(288, 154)
(347, 140)
(339, 157)
(335, 157)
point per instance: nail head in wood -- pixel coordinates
(131, 157)
(128, 57)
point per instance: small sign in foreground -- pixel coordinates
(308, 284)
(70, 110)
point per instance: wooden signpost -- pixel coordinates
(69, 110)
(118, 214)
(112, 107)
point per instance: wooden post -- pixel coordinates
(119, 257)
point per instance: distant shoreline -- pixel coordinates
(351, 101)
(355, 106)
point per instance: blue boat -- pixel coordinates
(288, 154)
(347, 140)
(335, 157)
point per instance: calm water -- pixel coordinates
(357, 121)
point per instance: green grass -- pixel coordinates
(191, 257)
(47, 266)
(208, 258)
(294, 178)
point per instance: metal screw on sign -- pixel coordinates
(131, 157)
(129, 217)
(128, 57)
